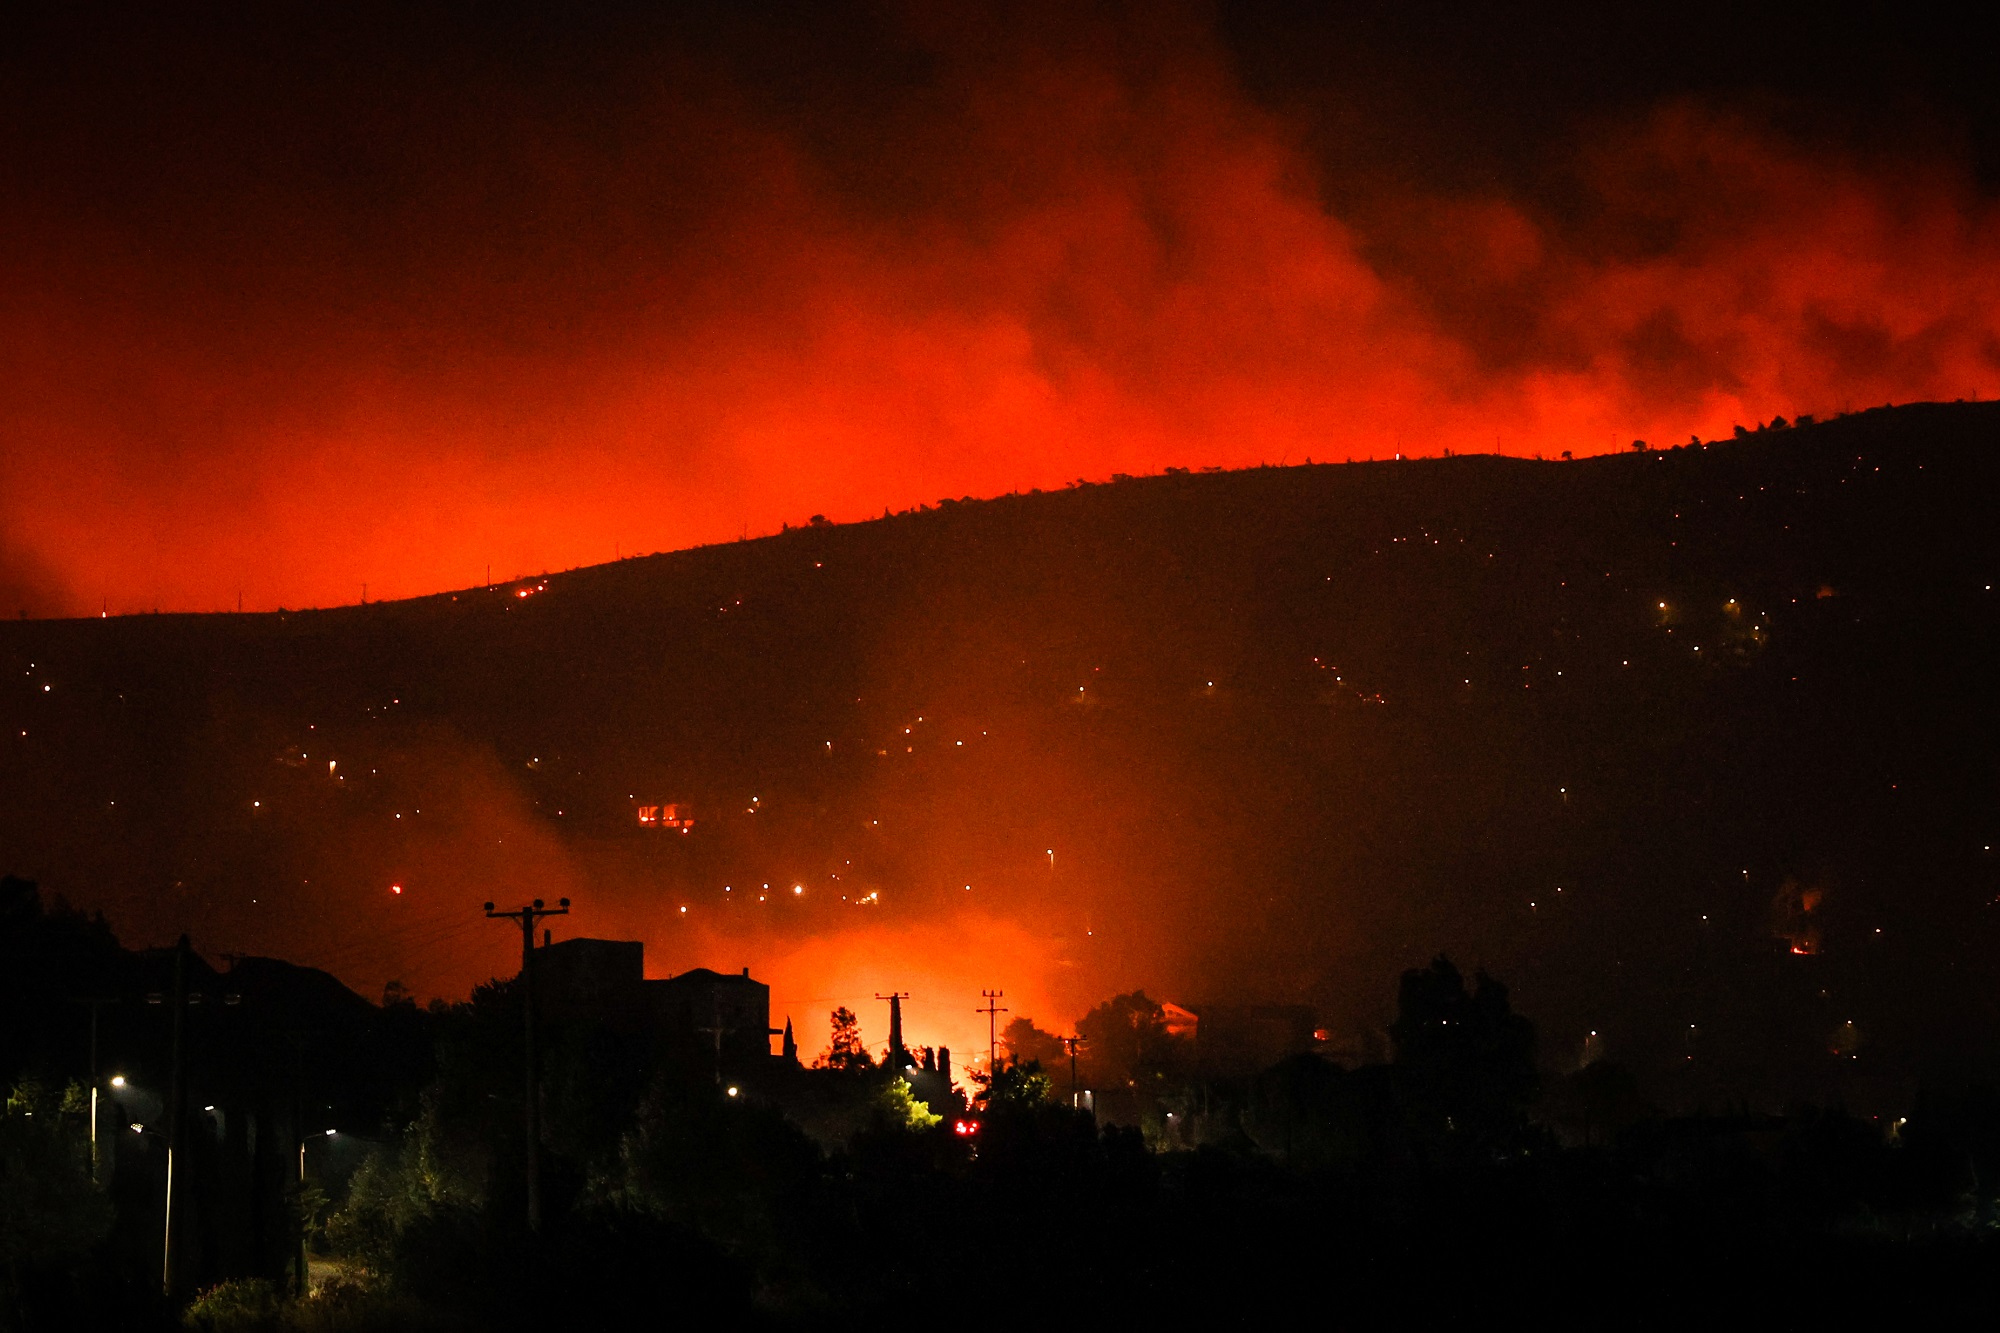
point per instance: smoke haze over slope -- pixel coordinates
(295, 305)
(1693, 741)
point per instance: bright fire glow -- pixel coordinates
(939, 962)
(1153, 274)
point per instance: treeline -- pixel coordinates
(1454, 1175)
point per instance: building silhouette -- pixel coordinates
(604, 981)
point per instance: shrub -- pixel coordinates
(244, 1306)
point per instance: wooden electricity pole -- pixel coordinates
(1072, 1043)
(527, 917)
(992, 1011)
(96, 1002)
(899, 1056)
(176, 1094)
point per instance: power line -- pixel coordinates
(397, 932)
(383, 952)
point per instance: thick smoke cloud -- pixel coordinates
(390, 302)
(27, 587)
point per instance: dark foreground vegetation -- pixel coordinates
(1457, 1178)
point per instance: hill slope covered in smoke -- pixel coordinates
(1692, 747)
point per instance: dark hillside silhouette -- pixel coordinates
(1694, 745)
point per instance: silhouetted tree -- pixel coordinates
(846, 1050)
(48, 954)
(1465, 1060)
(1309, 1111)
(1126, 1042)
(50, 1213)
(1026, 1042)
(1596, 1102)
(1015, 1085)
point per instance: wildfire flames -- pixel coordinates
(679, 312)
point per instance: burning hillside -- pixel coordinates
(1264, 735)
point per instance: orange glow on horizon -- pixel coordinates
(1145, 273)
(942, 962)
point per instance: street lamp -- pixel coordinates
(167, 1220)
(117, 1082)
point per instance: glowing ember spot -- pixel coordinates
(674, 815)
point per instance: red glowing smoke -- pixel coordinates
(496, 332)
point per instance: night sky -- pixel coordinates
(302, 298)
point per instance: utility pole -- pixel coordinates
(176, 1092)
(992, 1011)
(527, 917)
(1072, 1043)
(176, 1104)
(93, 1092)
(95, 1002)
(301, 1265)
(898, 1056)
